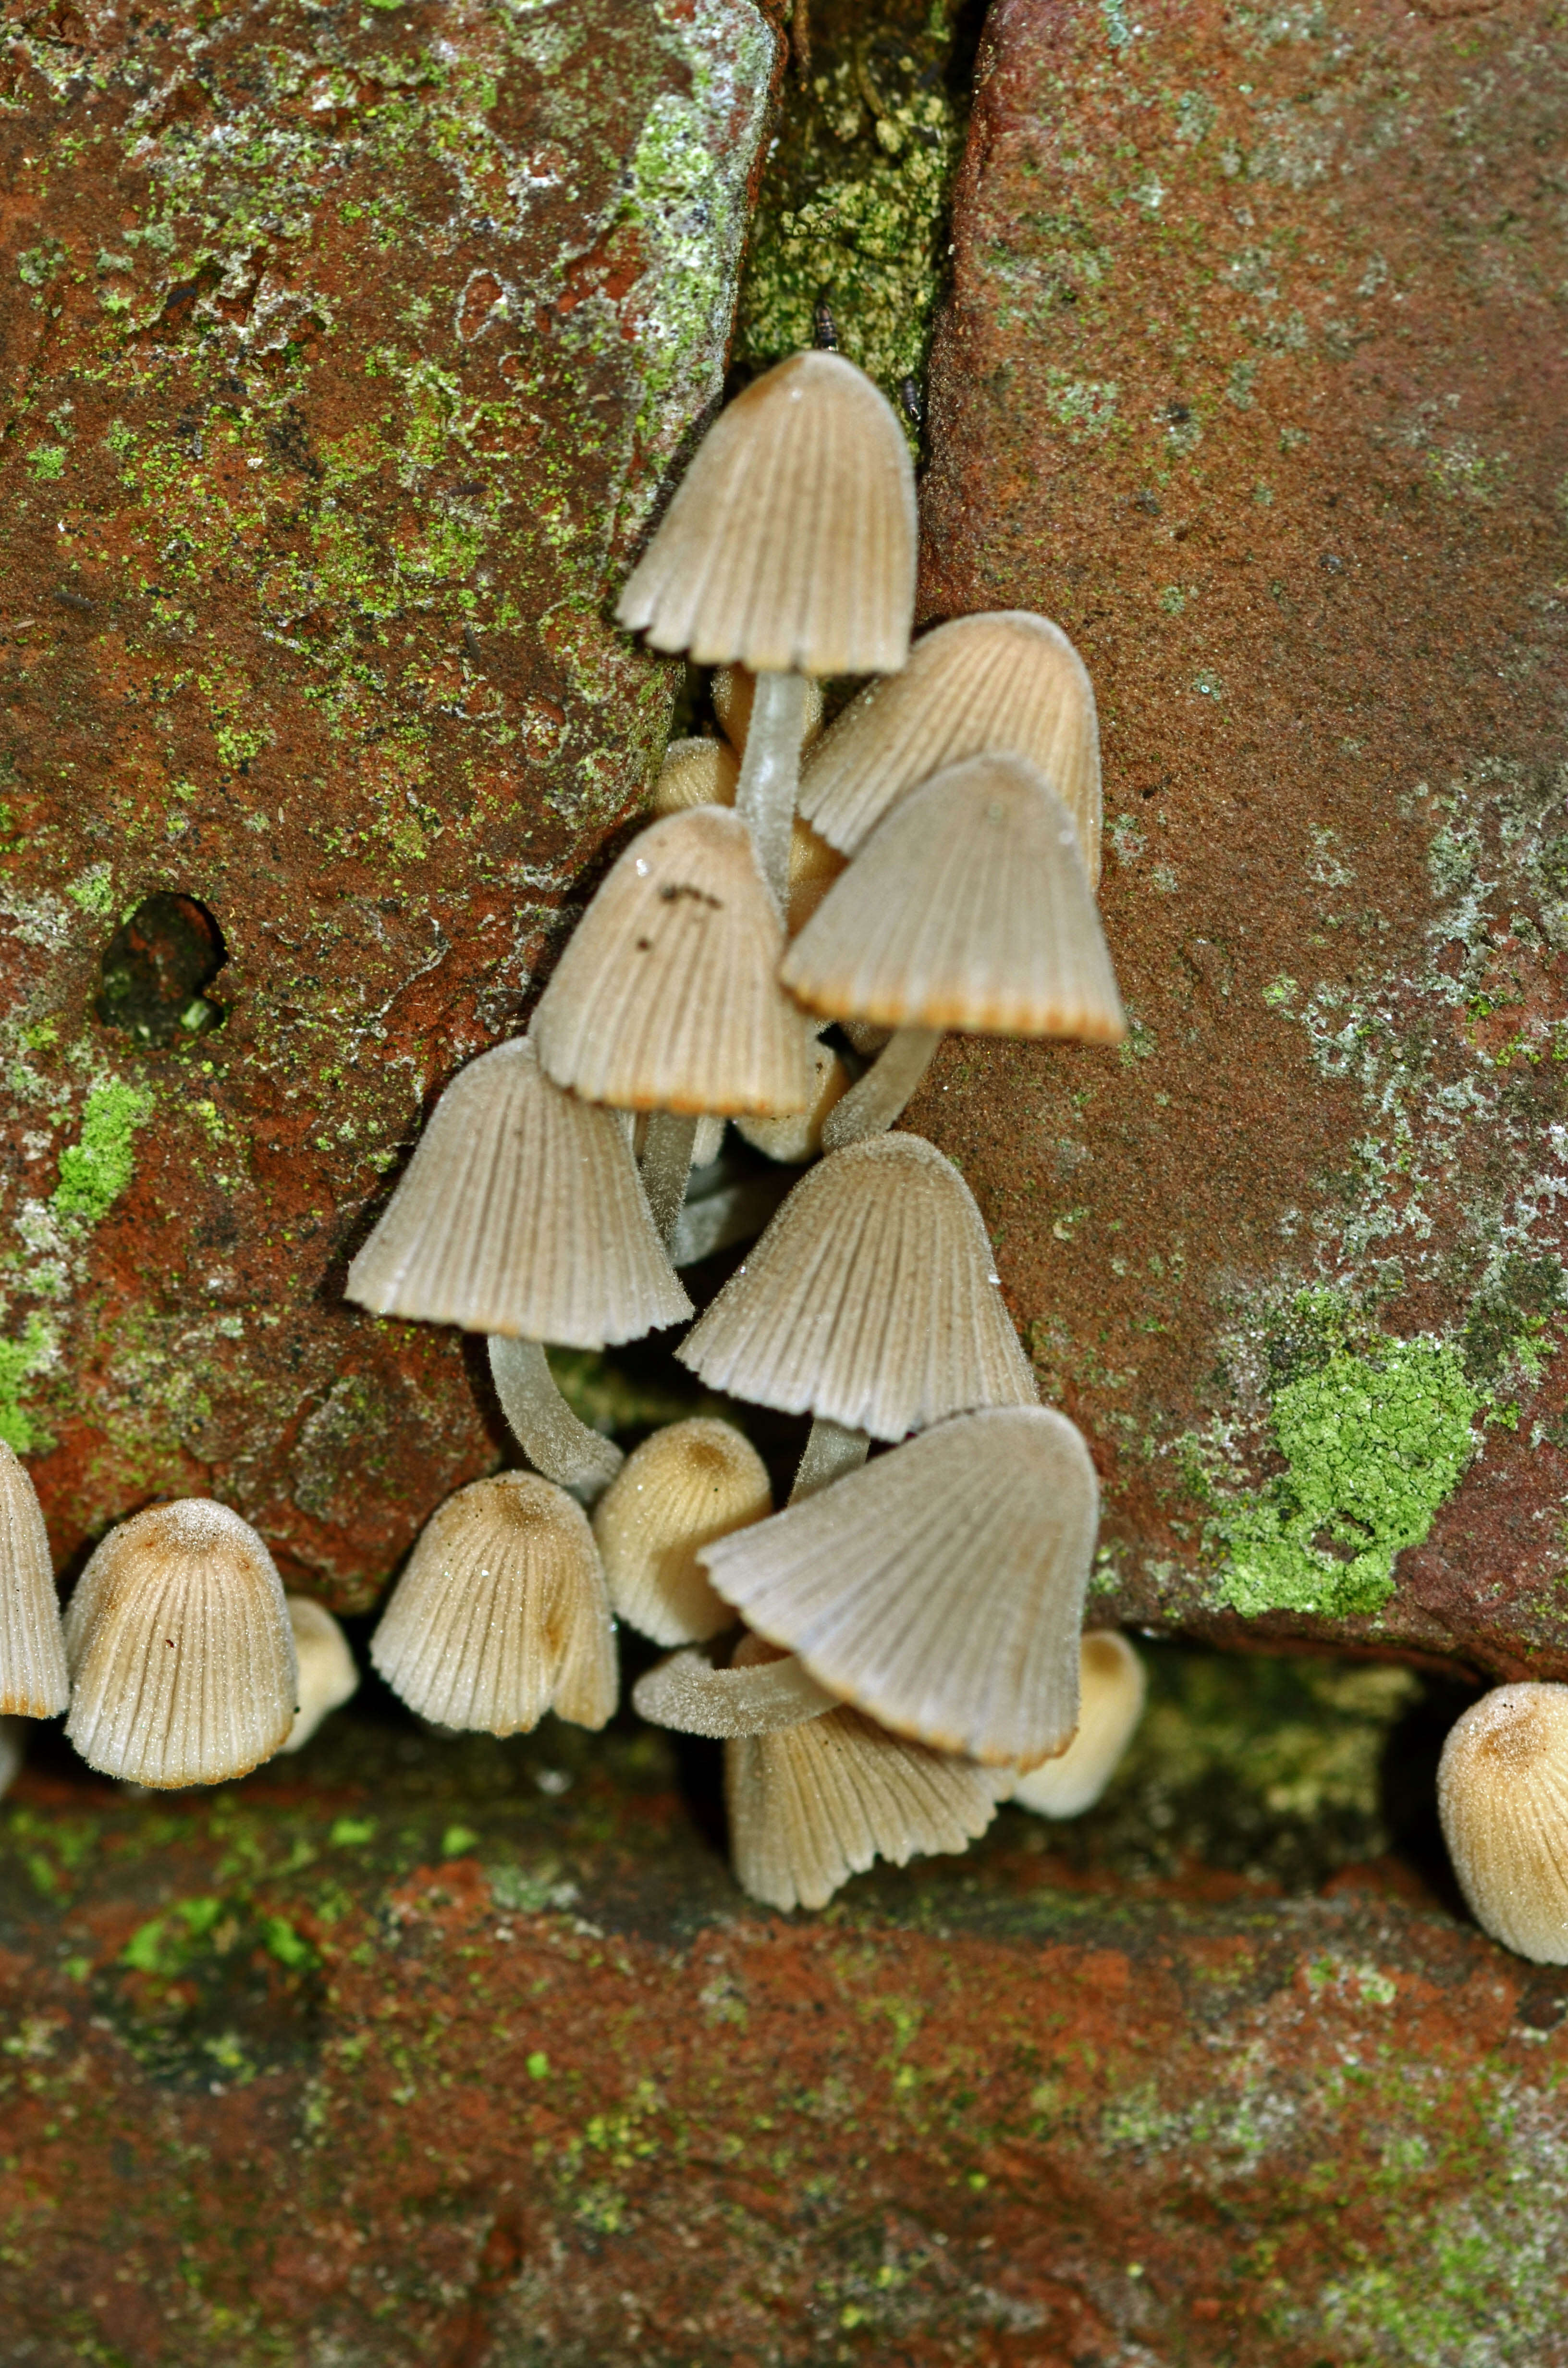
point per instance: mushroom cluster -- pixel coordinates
(781, 947)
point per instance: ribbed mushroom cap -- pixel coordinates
(1503, 1798)
(798, 1138)
(502, 1612)
(690, 1483)
(695, 773)
(872, 1299)
(521, 1212)
(179, 1648)
(1111, 1686)
(327, 1674)
(1006, 683)
(969, 907)
(32, 1650)
(789, 545)
(666, 997)
(940, 1588)
(757, 1694)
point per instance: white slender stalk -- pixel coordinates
(831, 1450)
(770, 774)
(544, 1426)
(666, 1163)
(872, 1106)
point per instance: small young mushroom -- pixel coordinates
(695, 773)
(967, 907)
(327, 1674)
(940, 1588)
(762, 1690)
(13, 1750)
(521, 1215)
(502, 1612)
(1006, 683)
(32, 1648)
(1503, 1798)
(1111, 1686)
(789, 548)
(180, 1650)
(794, 1140)
(690, 1483)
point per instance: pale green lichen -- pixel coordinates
(95, 1170)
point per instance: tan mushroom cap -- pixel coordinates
(521, 1212)
(940, 1588)
(757, 1694)
(695, 773)
(690, 1483)
(872, 1299)
(502, 1612)
(1004, 683)
(328, 1675)
(180, 1650)
(666, 997)
(1111, 1686)
(789, 544)
(794, 1140)
(967, 907)
(32, 1649)
(1503, 1798)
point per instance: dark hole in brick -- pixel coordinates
(154, 968)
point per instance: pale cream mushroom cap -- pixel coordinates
(1111, 1686)
(967, 907)
(502, 1612)
(327, 1674)
(686, 1485)
(941, 1587)
(1503, 1798)
(666, 996)
(32, 1649)
(521, 1212)
(794, 1140)
(789, 545)
(871, 1299)
(762, 1690)
(180, 1651)
(1004, 683)
(698, 772)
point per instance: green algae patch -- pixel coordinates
(95, 1170)
(1373, 1444)
(19, 1360)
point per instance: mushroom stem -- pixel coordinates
(666, 1163)
(831, 1450)
(544, 1426)
(872, 1106)
(770, 774)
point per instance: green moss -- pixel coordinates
(19, 1360)
(95, 1170)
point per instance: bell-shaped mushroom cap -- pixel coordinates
(695, 773)
(666, 998)
(521, 1212)
(734, 689)
(1503, 1798)
(940, 1588)
(1006, 684)
(179, 1647)
(13, 1748)
(1111, 1687)
(327, 1674)
(871, 1299)
(690, 1483)
(32, 1650)
(789, 545)
(502, 1612)
(969, 907)
(795, 1139)
(757, 1694)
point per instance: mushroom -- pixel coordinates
(179, 1648)
(691, 1482)
(1503, 1799)
(940, 1588)
(521, 1215)
(762, 1690)
(327, 1674)
(1111, 1686)
(666, 998)
(13, 1750)
(734, 689)
(967, 907)
(871, 1301)
(32, 1648)
(1006, 683)
(695, 773)
(502, 1612)
(794, 1140)
(789, 548)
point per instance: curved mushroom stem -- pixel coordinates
(870, 1107)
(544, 1426)
(666, 1163)
(831, 1450)
(770, 774)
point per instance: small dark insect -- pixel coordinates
(825, 328)
(913, 401)
(674, 890)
